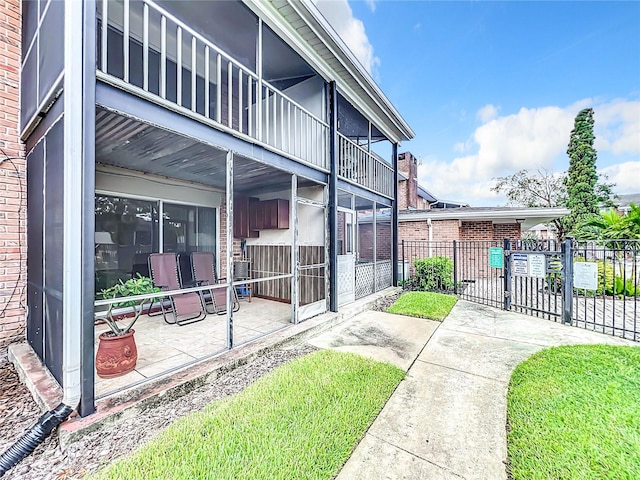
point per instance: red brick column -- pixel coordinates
(13, 195)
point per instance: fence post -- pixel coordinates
(567, 281)
(507, 274)
(403, 276)
(455, 268)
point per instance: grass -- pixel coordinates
(574, 413)
(300, 421)
(435, 306)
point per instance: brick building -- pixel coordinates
(170, 128)
(424, 217)
(12, 179)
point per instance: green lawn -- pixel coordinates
(435, 306)
(574, 413)
(300, 421)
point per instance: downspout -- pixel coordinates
(430, 237)
(72, 242)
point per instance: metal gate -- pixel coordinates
(537, 278)
(533, 278)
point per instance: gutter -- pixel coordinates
(461, 214)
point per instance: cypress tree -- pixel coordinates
(581, 177)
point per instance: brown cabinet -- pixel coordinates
(275, 214)
(256, 214)
(251, 215)
(242, 227)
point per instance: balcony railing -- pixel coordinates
(145, 49)
(357, 165)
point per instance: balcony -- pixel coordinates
(145, 49)
(148, 51)
(364, 168)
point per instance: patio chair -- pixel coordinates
(203, 268)
(165, 274)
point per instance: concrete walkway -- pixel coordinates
(447, 419)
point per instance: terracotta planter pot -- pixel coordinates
(116, 355)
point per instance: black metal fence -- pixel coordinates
(592, 285)
(612, 307)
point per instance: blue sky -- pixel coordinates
(493, 87)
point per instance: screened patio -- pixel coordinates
(161, 192)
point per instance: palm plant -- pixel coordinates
(132, 287)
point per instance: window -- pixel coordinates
(128, 230)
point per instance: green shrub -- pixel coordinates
(622, 287)
(435, 273)
(608, 282)
(134, 286)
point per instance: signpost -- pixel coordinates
(496, 257)
(585, 275)
(519, 265)
(537, 265)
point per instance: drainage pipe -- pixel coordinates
(72, 243)
(34, 437)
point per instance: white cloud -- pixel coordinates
(487, 113)
(339, 14)
(617, 127)
(371, 4)
(460, 147)
(625, 175)
(530, 139)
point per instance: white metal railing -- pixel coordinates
(364, 168)
(147, 48)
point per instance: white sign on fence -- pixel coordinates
(585, 275)
(519, 264)
(537, 266)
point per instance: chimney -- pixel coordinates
(408, 166)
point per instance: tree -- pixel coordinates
(545, 189)
(532, 189)
(582, 177)
(608, 226)
(535, 189)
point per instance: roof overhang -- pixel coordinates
(311, 35)
(527, 217)
(426, 195)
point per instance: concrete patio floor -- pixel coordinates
(135, 399)
(447, 419)
(163, 347)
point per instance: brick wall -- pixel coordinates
(13, 199)
(512, 231)
(237, 252)
(476, 230)
(402, 194)
(443, 230)
(408, 195)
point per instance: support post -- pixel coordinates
(404, 276)
(295, 261)
(333, 197)
(567, 281)
(507, 274)
(231, 286)
(394, 217)
(455, 267)
(87, 393)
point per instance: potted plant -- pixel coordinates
(117, 352)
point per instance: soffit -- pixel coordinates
(128, 143)
(310, 34)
